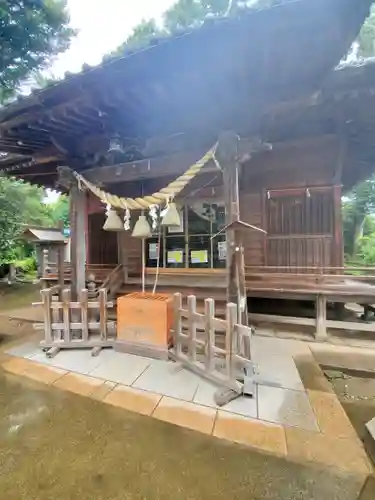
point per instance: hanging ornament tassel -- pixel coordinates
(127, 219)
(171, 217)
(153, 212)
(113, 221)
(142, 228)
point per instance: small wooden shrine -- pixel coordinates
(51, 247)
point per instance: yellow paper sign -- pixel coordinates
(175, 257)
(199, 256)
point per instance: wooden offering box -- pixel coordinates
(144, 322)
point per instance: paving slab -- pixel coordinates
(133, 399)
(266, 346)
(331, 416)
(25, 350)
(168, 379)
(286, 407)
(344, 454)
(79, 361)
(192, 416)
(262, 435)
(278, 371)
(79, 384)
(120, 368)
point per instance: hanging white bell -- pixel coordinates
(142, 228)
(113, 221)
(171, 217)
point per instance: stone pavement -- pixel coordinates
(287, 416)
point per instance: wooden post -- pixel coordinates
(321, 317)
(103, 313)
(61, 260)
(192, 326)
(46, 299)
(177, 305)
(78, 228)
(66, 314)
(123, 254)
(338, 246)
(209, 330)
(78, 240)
(231, 317)
(227, 155)
(84, 314)
(45, 262)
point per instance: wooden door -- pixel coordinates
(300, 228)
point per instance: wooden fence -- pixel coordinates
(203, 356)
(81, 324)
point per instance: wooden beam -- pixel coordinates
(174, 164)
(39, 113)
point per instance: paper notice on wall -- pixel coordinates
(153, 251)
(175, 257)
(199, 256)
(222, 249)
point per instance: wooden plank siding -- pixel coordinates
(253, 241)
(103, 247)
(296, 202)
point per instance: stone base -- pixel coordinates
(141, 349)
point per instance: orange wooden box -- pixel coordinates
(145, 318)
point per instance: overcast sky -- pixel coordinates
(103, 25)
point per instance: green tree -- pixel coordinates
(357, 210)
(186, 14)
(367, 36)
(22, 203)
(183, 15)
(59, 210)
(30, 32)
(140, 37)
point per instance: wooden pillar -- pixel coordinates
(78, 215)
(338, 242)
(78, 240)
(61, 260)
(227, 154)
(338, 247)
(321, 318)
(123, 252)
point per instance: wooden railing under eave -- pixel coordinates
(100, 271)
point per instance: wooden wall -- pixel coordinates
(288, 171)
(304, 164)
(102, 245)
